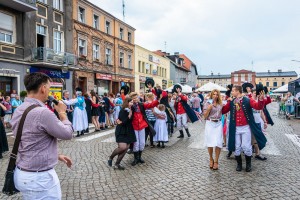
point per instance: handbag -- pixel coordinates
(9, 185)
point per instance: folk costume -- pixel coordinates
(140, 122)
(160, 128)
(265, 110)
(80, 120)
(241, 125)
(124, 91)
(183, 110)
(245, 86)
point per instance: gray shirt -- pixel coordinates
(38, 145)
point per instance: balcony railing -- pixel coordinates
(47, 55)
(20, 5)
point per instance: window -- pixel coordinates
(96, 22)
(7, 25)
(274, 84)
(129, 63)
(242, 77)
(58, 18)
(107, 26)
(81, 15)
(42, 30)
(267, 84)
(121, 33)
(250, 78)
(140, 70)
(108, 56)
(282, 83)
(96, 54)
(57, 41)
(58, 4)
(82, 47)
(42, 11)
(129, 37)
(121, 59)
(236, 77)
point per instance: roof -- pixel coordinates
(218, 76)
(160, 53)
(277, 74)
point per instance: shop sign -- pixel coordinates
(103, 76)
(55, 84)
(164, 82)
(52, 73)
(56, 92)
(126, 80)
(142, 78)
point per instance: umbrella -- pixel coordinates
(282, 89)
(185, 88)
(211, 86)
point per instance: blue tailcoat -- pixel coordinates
(255, 128)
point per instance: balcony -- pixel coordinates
(49, 57)
(20, 5)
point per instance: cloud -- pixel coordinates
(219, 36)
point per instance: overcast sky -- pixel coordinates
(217, 35)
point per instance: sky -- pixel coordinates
(219, 36)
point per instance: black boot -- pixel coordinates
(181, 134)
(136, 159)
(187, 132)
(87, 130)
(78, 135)
(239, 163)
(140, 158)
(229, 154)
(82, 133)
(248, 163)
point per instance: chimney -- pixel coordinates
(280, 70)
(176, 53)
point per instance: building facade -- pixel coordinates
(38, 43)
(149, 65)
(105, 49)
(274, 80)
(242, 76)
(193, 72)
(219, 79)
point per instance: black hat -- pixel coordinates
(125, 88)
(259, 88)
(229, 89)
(149, 81)
(175, 88)
(78, 89)
(245, 85)
(266, 89)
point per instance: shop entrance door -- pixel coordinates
(6, 86)
(115, 87)
(82, 84)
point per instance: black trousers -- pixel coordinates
(170, 128)
(149, 134)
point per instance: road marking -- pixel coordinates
(295, 139)
(95, 136)
(271, 148)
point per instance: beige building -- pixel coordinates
(219, 79)
(274, 80)
(150, 65)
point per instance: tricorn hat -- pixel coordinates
(125, 88)
(149, 81)
(78, 89)
(229, 88)
(175, 88)
(245, 85)
(259, 88)
(266, 89)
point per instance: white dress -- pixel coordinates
(160, 127)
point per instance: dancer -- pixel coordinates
(242, 124)
(151, 118)
(247, 89)
(140, 122)
(124, 91)
(183, 110)
(268, 100)
(124, 134)
(95, 110)
(80, 121)
(161, 126)
(213, 127)
(3, 137)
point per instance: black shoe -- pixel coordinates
(1, 156)
(239, 163)
(229, 154)
(140, 158)
(78, 135)
(119, 167)
(102, 128)
(248, 163)
(187, 132)
(181, 134)
(136, 159)
(158, 145)
(106, 127)
(163, 146)
(87, 130)
(109, 162)
(82, 133)
(259, 157)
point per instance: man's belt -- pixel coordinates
(25, 170)
(214, 120)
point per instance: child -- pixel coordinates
(160, 127)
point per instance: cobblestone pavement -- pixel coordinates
(180, 171)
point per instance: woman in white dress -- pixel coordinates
(160, 126)
(213, 127)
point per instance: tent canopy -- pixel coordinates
(211, 86)
(185, 88)
(282, 89)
